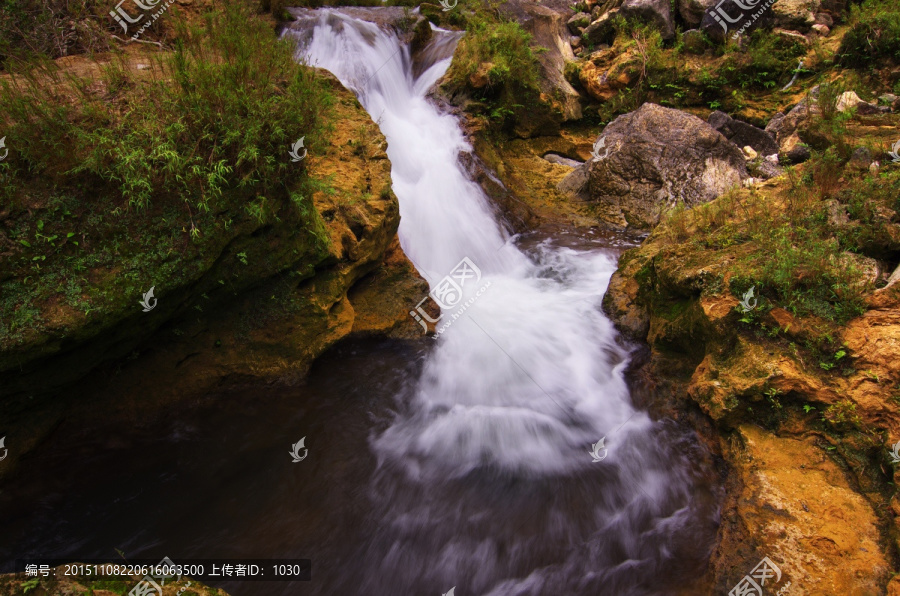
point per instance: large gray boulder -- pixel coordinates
(655, 12)
(743, 134)
(650, 160)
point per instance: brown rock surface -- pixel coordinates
(797, 507)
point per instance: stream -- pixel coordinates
(462, 462)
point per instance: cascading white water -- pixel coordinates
(518, 386)
(531, 375)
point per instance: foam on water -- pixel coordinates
(519, 385)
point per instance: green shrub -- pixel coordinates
(874, 35)
(218, 118)
(498, 52)
(149, 173)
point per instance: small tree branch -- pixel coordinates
(155, 43)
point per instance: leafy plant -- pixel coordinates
(874, 35)
(495, 63)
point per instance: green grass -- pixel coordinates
(874, 36)
(500, 51)
(763, 64)
(114, 184)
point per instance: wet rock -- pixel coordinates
(654, 158)
(261, 337)
(742, 133)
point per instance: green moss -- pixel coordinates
(671, 310)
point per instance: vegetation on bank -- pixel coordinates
(802, 249)
(740, 77)
(146, 173)
(874, 35)
(495, 65)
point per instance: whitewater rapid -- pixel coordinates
(518, 387)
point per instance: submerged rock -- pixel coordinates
(651, 160)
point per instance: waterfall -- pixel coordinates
(482, 476)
